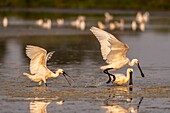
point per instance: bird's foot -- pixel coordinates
(46, 85)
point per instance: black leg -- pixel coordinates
(106, 72)
(109, 79)
(46, 84)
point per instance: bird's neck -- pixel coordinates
(54, 75)
(127, 75)
(132, 62)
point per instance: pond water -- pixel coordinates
(78, 53)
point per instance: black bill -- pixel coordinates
(131, 79)
(140, 70)
(139, 103)
(65, 74)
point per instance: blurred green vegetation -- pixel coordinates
(92, 4)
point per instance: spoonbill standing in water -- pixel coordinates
(113, 52)
(121, 79)
(38, 68)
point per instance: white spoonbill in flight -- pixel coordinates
(121, 79)
(113, 52)
(38, 68)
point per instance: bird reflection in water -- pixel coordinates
(114, 106)
(39, 105)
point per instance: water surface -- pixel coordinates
(78, 53)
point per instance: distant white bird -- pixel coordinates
(47, 24)
(39, 22)
(120, 79)
(5, 22)
(146, 17)
(60, 21)
(38, 68)
(79, 22)
(134, 25)
(108, 17)
(75, 23)
(139, 17)
(81, 18)
(142, 26)
(101, 25)
(113, 52)
(82, 25)
(112, 26)
(120, 25)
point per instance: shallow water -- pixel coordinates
(78, 53)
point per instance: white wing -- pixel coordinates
(112, 49)
(38, 57)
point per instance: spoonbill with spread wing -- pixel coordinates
(38, 68)
(113, 52)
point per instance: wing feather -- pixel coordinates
(102, 37)
(49, 55)
(112, 49)
(37, 56)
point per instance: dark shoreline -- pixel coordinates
(82, 11)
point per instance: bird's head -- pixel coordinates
(135, 61)
(62, 72)
(130, 70)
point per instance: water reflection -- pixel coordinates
(115, 106)
(39, 105)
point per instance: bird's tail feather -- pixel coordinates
(27, 75)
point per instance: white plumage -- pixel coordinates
(123, 79)
(38, 68)
(113, 51)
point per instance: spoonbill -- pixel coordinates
(38, 68)
(139, 17)
(120, 79)
(112, 26)
(142, 26)
(113, 52)
(101, 25)
(5, 22)
(60, 22)
(134, 25)
(39, 22)
(47, 24)
(146, 17)
(108, 17)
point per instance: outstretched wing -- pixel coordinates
(112, 49)
(38, 57)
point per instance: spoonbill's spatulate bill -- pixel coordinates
(113, 52)
(38, 68)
